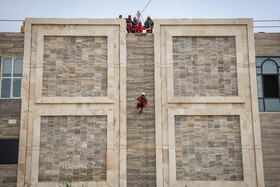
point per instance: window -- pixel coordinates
(11, 76)
(9, 151)
(268, 78)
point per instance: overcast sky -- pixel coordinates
(256, 9)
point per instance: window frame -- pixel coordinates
(12, 77)
(262, 80)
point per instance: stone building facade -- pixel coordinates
(81, 78)
(268, 45)
(11, 46)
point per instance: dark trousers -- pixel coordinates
(140, 105)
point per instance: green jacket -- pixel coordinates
(149, 24)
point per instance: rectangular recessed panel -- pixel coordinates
(208, 148)
(75, 66)
(204, 66)
(9, 151)
(73, 147)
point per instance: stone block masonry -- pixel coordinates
(267, 44)
(9, 109)
(73, 147)
(8, 175)
(208, 148)
(204, 66)
(75, 66)
(11, 45)
(270, 129)
(141, 156)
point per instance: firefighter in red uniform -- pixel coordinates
(141, 28)
(142, 102)
(128, 24)
(135, 26)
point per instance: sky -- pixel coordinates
(256, 9)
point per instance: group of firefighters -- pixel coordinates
(135, 26)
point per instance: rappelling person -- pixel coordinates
(149, 24)
(142, 102)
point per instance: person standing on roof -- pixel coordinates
(22, 29)
(142, 102)
(135, 25)
(149, 24)
(128, 24)
(141, 28)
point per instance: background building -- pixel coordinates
(74, 116)
(267, 46)
(11, 52)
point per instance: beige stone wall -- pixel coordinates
(267, 44)
(9, 109)
(8, 175)
(75, 66)
(204, 66)
(185, 115)
(154, 157)
(208, 148)
(11, 45)
(73, 147)
(270, 130)
(71, 129)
